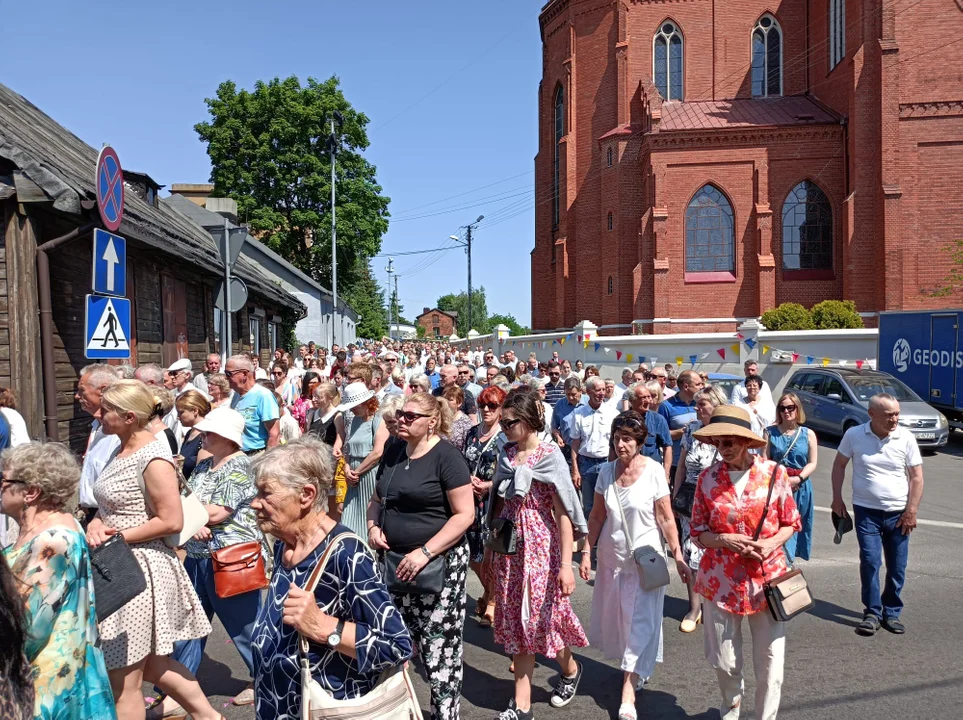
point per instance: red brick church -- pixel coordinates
(701, 161)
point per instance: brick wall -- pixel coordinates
(435, 320)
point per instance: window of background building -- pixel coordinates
(611, 222)
(173, 319)
(610, 287)
(254, 334)
(709, 239)
(218, 322)
(273, 336)
(766, 58)
(559, 134)
(667, 61)
(807, 229)
(434, 319)
(608, 157)
(837, 32)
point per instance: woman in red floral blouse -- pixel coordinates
(728, 507)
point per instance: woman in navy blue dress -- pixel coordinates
(350, 600)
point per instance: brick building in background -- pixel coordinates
(700, 162)
(438, 323)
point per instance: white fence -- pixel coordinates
(778, 353)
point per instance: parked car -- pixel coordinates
(725, 381)
(837, 398)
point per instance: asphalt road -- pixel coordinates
(830, 671)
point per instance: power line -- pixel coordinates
(467, 192)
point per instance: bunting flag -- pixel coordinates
(618, 354)
(692, 359)
(580, 338)
(544, 345)
(750, 343)
(765, 349)
(588, 336)
(735, 348)
(608, 350)
(513, 343)
(562, 341)
(722, 353)
(628, 358)
(570, 336)
(654, 361)
(678, 361)
(859, 364)
(585, 343)
(795, 357)
(740, 336)
(825, 362)
(809, 359)
(641, 359)
(842, 363)
(597, 346)
(554, 342)
(703, 356)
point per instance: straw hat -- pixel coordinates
(227, 423)
(353, 395)
(729, 421)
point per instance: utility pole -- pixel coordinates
(397, 321)
(390, 269)
(336, 314)
(228, 347)
(467, 244)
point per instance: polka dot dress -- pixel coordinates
(168, 610)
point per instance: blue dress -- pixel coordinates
(801, 543)
(350, 589)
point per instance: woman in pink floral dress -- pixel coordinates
(533, 614)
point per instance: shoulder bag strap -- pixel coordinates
(484, 450)
(765, 509)
(625, 522)
(312, 583)
(384, 500)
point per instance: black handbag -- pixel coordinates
(682, 500)
(431, 579)
(502, 538)
(118, 577)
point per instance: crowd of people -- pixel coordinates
(365, 484)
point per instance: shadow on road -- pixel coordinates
(836, 613)
(217, 679)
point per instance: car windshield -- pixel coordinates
(865, 387)
(725, 384)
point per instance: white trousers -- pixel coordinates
(723, 645)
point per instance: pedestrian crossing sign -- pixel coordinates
(107, 328)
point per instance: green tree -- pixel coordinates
(508, 321)
(788, 316)
(459, 304)
(269, 151)
(836, 314)
(368, 299)
(397, 309)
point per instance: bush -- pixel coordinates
(788, 316)
(836, 315)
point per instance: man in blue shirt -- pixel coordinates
(680, 410)
(658, 442)
(256, 403)
(561, 428)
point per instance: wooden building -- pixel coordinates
(47, 194)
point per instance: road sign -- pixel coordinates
(238, 295)
(109, 264)
(107, 328)
(237, 236)
(109, 180)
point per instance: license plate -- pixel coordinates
(926, 436)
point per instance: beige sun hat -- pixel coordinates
(227, 423)
(729, 421)
(353, 395)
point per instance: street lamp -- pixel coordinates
(338, 118)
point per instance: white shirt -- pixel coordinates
(100, 449)
(593, 428)
(18, 427)
(880, 480)
(739, 393)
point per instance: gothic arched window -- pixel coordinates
(766, 58)
(559, 134)
(709, 236)
(667, 61)
(807, 229)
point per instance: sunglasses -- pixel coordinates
(409, 417)
(489, 406)
(232, 373)
(509, 424)
(786, 408)
(4, 483)
(727, 443)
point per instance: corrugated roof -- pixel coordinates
(63, 166)
(744, 113)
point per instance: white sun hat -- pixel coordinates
(355, 394)
(227, 423)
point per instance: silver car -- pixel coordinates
(836, 399)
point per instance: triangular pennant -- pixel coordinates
(588, 336)
(859, 364)
(809, 359)
(825, 362)
(693, 358)
(628, 358)
(641, 359)
(842, 363)
(608, 350)
(562, 341)
(618, 354)
(554, 342)
(654, 361)
(735, 348)
(580, 338)
(740, 336)
(765, 349)
(585, 343)
(703, 356)
(722, 353)
(795, 357)
(597, 346)
(750, 343)
(678, 361)
(570, 336)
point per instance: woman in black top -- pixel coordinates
(192, 407)
(323, 420)
(428, 506)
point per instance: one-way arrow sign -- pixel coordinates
(109, 264)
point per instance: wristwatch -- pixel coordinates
(334, 639)
(426, 551)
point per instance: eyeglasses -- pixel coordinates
(786, 408)
(409, 417)
(727, 442)
(464, 372)
(554, 374)
(509, 424)
(4, 483)
(489, 406)
(232, 373)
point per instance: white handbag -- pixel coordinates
(195, 514)
(653, 569)
(392, 698)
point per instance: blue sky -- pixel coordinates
(450, 88)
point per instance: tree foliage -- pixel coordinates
(269, 151)
(508, 321)
(788, 316)
(367, 297)
(459, 304)
(836, 314)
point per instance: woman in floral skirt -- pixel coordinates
(533, 613)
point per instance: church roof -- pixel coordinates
(744, 113)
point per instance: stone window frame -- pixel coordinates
(837, 32)
(666, 36)
(712, 275)
(828, 226)
(766, 32)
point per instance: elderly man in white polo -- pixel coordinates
(887, 489)
(591, 430)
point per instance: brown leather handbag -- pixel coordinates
(238, 569)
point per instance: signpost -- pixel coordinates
(107, 312)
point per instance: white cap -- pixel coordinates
(179, 365)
